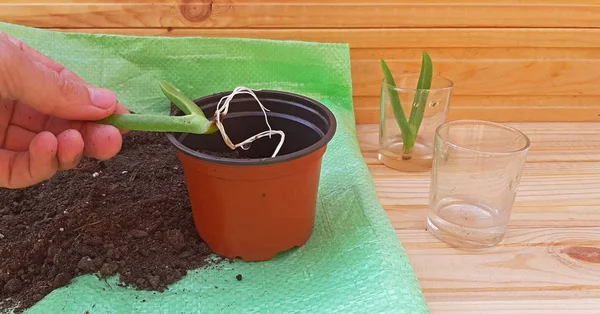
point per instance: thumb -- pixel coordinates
(49, 92)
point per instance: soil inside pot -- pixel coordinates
(298, 136)
(231, 155)
(128, 216)
(308, 125)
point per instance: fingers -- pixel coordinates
(28, 118)
(70, 145)
(70, 149)
(18, 139)
(6, 112)
(32, 79)
(34, 54)
(101, 141)
(47, 88)
(23, 169)
(98, 141)
(46, 155)
(53, 65)
(94, 140)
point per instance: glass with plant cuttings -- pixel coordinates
(412, 107)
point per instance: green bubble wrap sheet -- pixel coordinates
(354, 261)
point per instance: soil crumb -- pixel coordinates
(129, 216)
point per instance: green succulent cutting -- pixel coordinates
(194, 120)
(410, 126)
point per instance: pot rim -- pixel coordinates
(268, 160)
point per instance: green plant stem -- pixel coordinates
(180, 100)
(157, 123)
(420, 101)
(194, 120)
(410, 127)
(396, 105)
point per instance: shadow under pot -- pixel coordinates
(246, 203)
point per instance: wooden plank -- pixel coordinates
(575, 206)
(524, 105)
(389, 38)
(551, 142)
(487, 71)
(576, 108)
(528, 266)
(527, 114)
(574, 305)
(494, 80)
(533, 83)
(490, 71)
(290, 13)
(475, 53)
(568, 242)
(396, 189)
(485, 77)
(518, 301)
(529, 295)
(518, 114)
(524, 215)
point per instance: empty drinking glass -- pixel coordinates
(476, 169)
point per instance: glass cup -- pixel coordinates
(476, 170)
(417, 155)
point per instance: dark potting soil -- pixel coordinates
(230, 154)
(128, 216)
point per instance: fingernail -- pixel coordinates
(102, 98)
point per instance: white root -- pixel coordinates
(223, 108)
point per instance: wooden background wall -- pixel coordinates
(511, 60)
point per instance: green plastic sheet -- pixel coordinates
(354, 261)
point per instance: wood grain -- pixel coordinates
(499, 74)
(300, 14)
(419, 38)
(500, 84)
(408, 215)
(533, 190)
(484, 77)
(502, 108)
(567, 144)
(538, 268)
(480, 72)
(510, 61)
(517, 306)
(549, 261)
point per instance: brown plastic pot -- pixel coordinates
(257, 207)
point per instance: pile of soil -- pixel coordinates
(129, 216)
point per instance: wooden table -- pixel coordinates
(550, 260)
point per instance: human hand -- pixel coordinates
(46, 114)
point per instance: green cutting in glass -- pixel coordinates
(410, 126)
